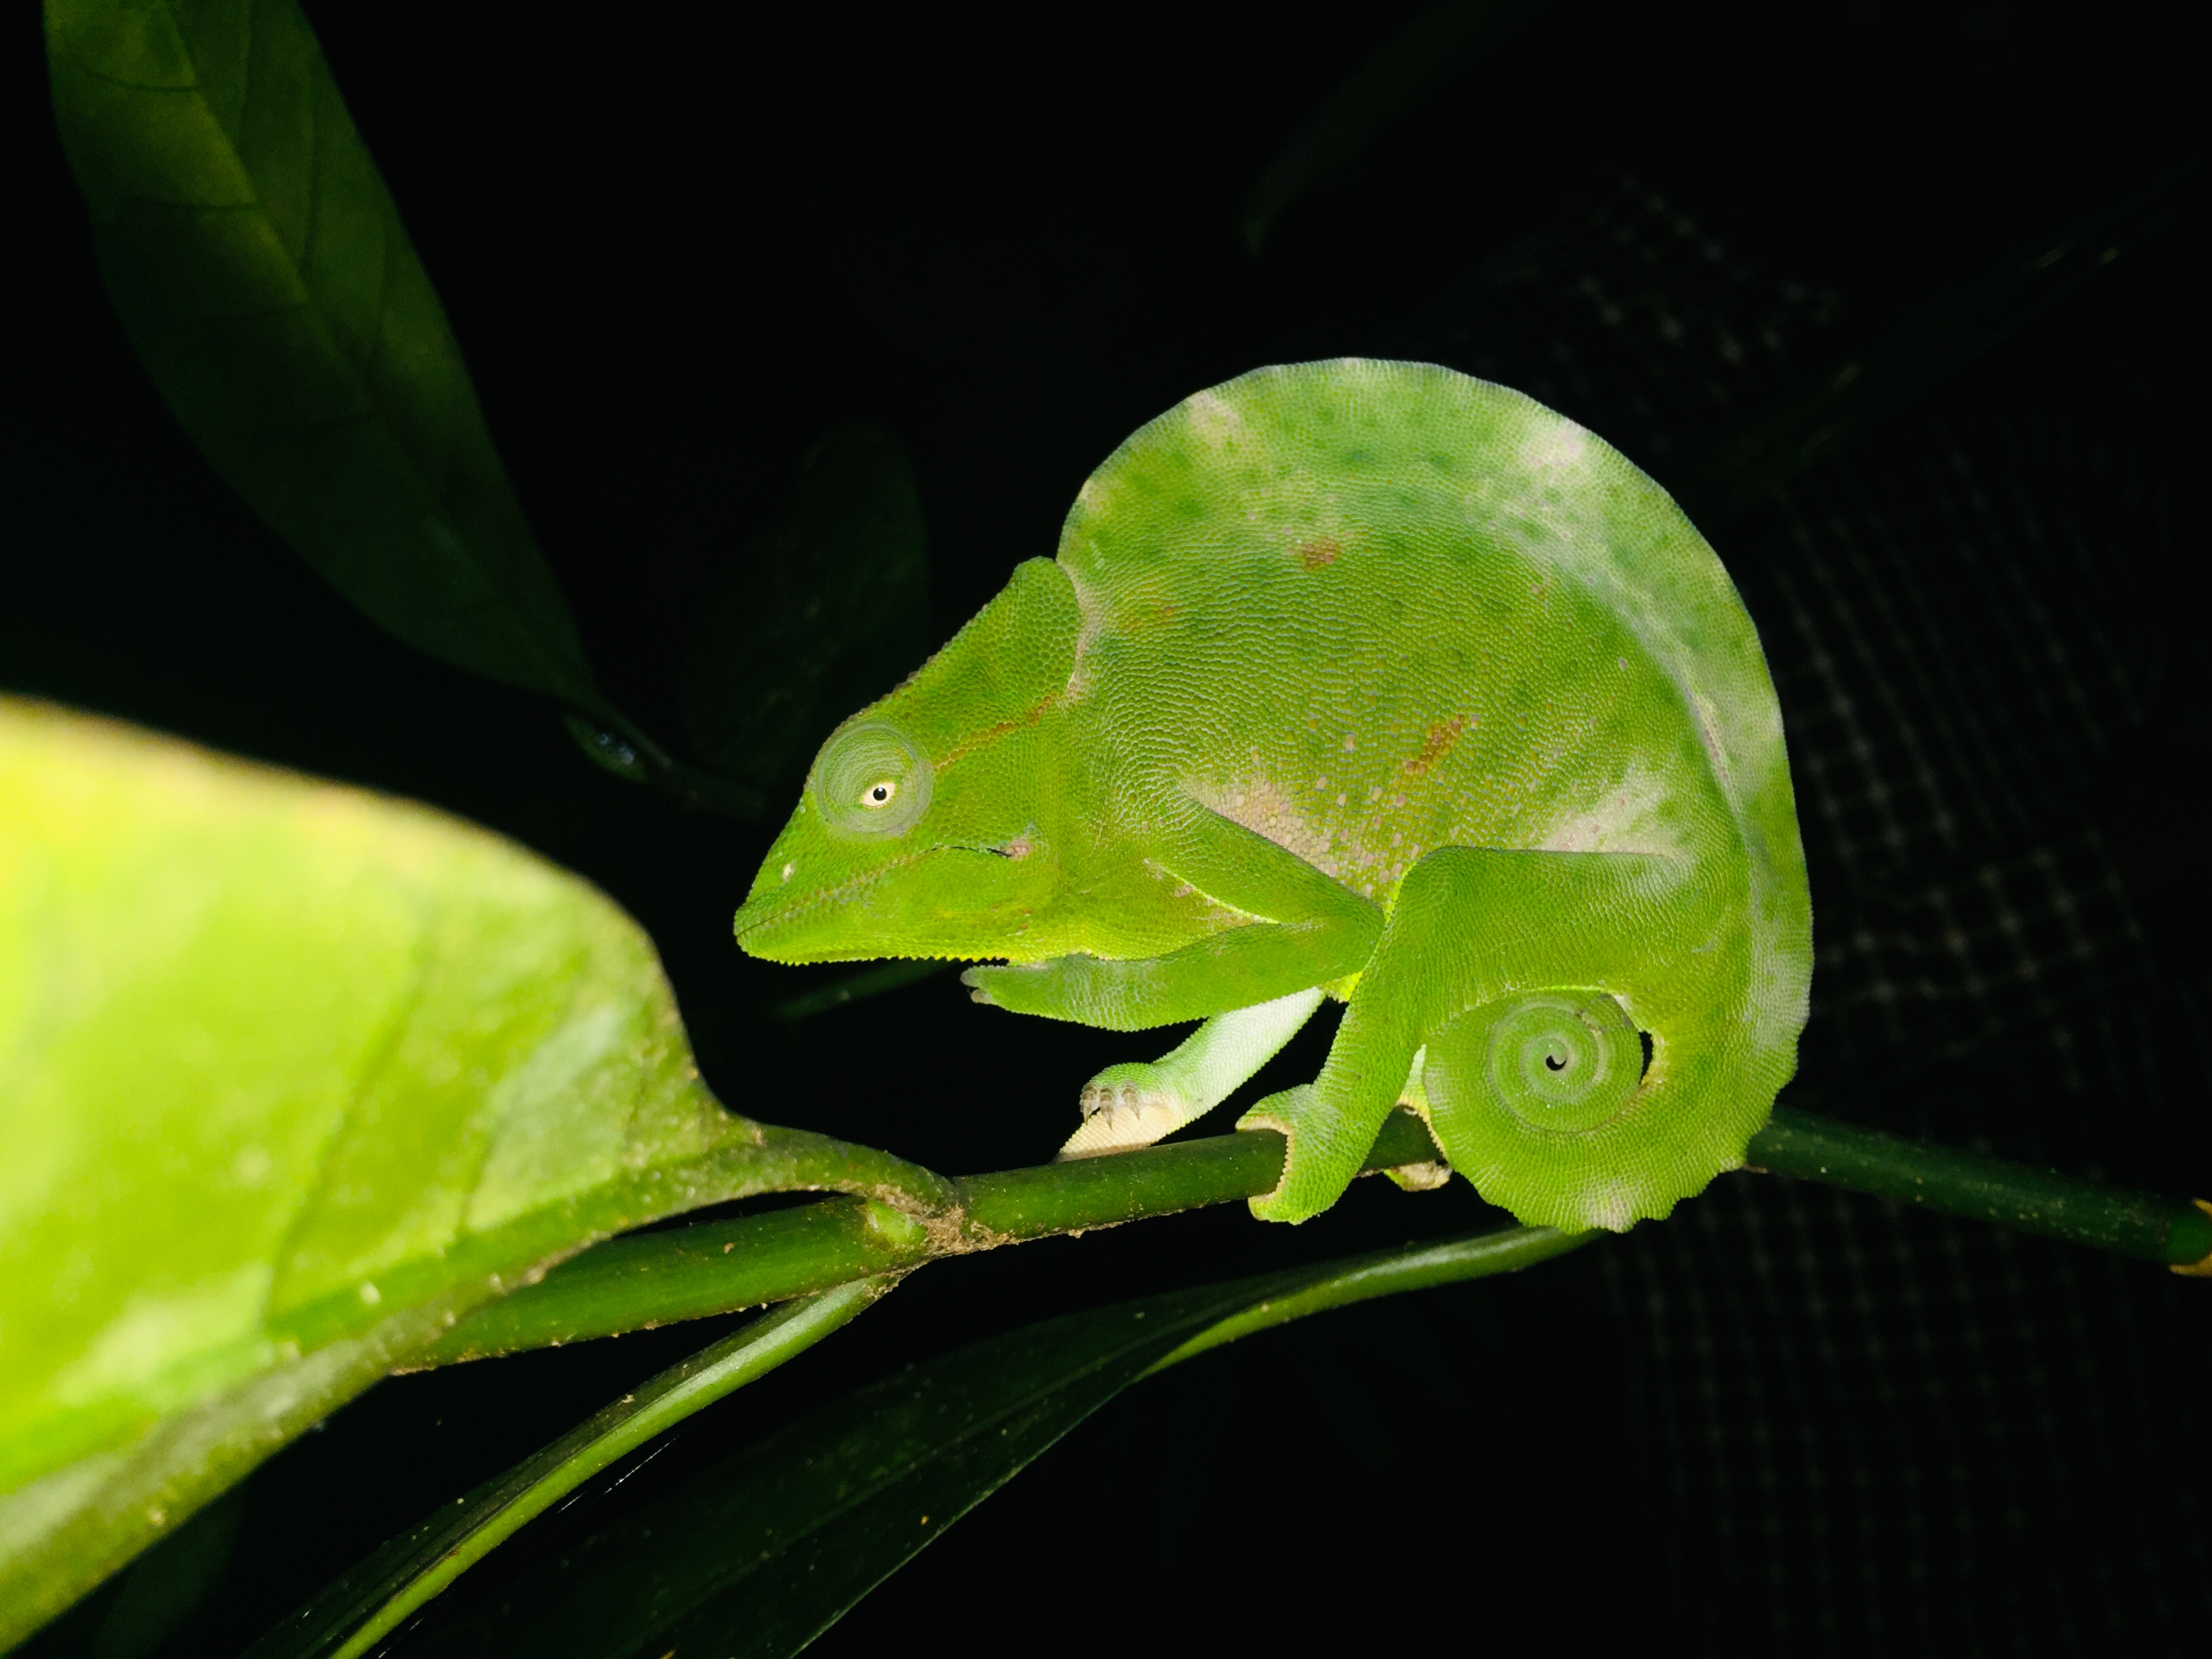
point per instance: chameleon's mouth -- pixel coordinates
(759, 919)
(762, 919)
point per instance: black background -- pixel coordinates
(678, 244)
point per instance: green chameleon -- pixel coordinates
(1362, 680)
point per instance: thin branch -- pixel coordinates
(719, 1266)
(2148, 1226)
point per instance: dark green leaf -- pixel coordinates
(757, 1554)
(168, 1581)
(262, 273)
(372, 1598)
(824, 612)
(1422, 56)
(854, 987)
(294, 1077)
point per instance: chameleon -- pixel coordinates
(1367, 681)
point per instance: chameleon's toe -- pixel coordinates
(981, 981)
(1127, 1106)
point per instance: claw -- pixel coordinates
(1121, 1114)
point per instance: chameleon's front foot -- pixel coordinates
(984, 984)
(1134, 1104)
(1129, 1106)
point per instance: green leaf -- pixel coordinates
(263, 273)
(854, 988)
(295, 1077)
(757, 1554)
(169, 1582)
(357, 1610)
(825, 611)
(1419, 59)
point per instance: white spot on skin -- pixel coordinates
(1214, 421)
(1262, 806)
(1088, 631)
(1555, 449)
(1628, 818)
(1613, 1208)
(370, 1295)
(787, 869)
(1708, 732)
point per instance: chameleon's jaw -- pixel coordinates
(812, 925)
(946, 902)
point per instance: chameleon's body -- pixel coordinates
(1371, 679)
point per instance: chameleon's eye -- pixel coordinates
(871, 780)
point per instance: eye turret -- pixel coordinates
(871, 780)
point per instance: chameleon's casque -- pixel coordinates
(1369, 679)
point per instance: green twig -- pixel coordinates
(689, 1273)
(653, 1279)
(2146, 1226)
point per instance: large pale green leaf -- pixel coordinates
(263, 273)
(292, 1076)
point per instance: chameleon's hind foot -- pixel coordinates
(1129, 1106)
(1326, 1150)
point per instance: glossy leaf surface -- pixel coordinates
(757, 1553)
(826, 611)
(263, 273)
(356, 1611)
(294, 1075)
(1412, 66)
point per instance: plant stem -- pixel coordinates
(654, 1279)
(717, 1267)
(2146, 1226)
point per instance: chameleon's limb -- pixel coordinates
(1307, 930)
(1136, 1103)
(1233, 969)
(1566, 957)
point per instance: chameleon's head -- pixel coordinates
(926, 827)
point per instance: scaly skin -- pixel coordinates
(1369, 677)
